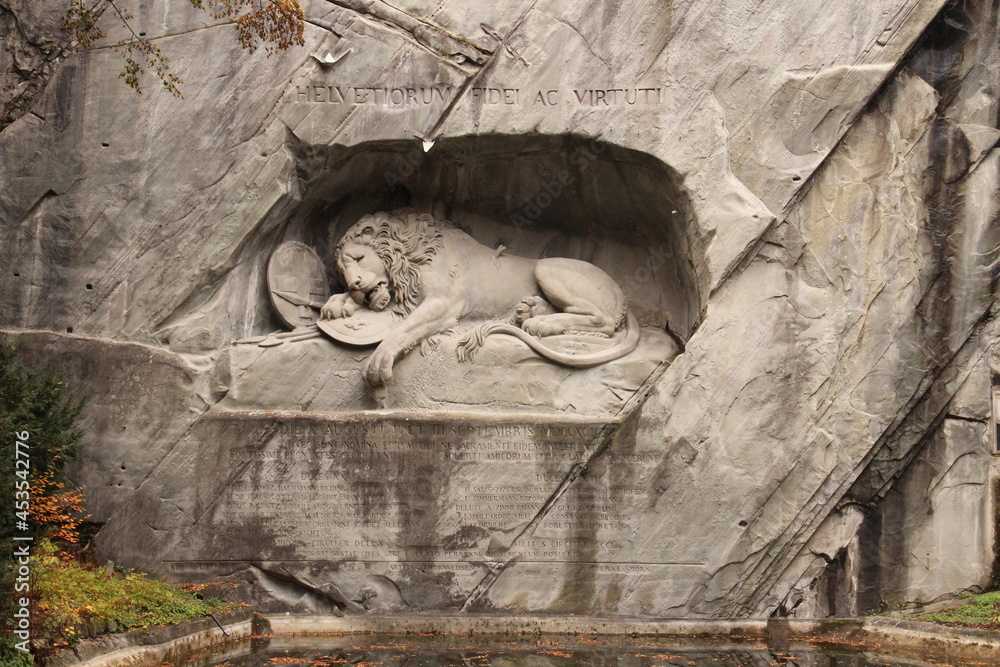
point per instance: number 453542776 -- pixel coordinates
(22, 465)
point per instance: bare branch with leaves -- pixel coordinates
(277, 24)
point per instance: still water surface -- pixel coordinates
(478, 651)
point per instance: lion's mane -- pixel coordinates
(404, 241)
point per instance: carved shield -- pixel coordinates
(365, 327)
(296, 280)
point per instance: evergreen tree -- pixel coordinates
(37, 405)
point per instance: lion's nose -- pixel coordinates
(355, 284)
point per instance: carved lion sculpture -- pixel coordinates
(433, 276)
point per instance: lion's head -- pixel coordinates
(404, 241)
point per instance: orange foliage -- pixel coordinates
(62, 511)
(279, 24)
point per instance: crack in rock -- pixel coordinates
(453, 47)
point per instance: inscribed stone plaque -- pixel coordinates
(408, 499)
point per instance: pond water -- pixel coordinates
(479, 651)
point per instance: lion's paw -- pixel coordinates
(532, 306)
(542, 327)
(377, 369)
(338, 306)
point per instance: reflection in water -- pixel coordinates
(480, 651)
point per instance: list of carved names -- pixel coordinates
(397, 490)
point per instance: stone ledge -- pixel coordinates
(902, 626)
(924, 639)
(152, 645)
(515, 625)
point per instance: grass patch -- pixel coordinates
(73, 600)
(979, 611)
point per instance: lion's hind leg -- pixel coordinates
(575, 323)
(590, 301)
(532, 306)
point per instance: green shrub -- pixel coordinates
(11, 657)
(38, 405)
(981, 611)
(72, 600)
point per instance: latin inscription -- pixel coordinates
(415, 96)
(383, 97)
(401, 491)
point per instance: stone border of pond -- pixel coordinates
(466, 624)
(153, 646)
(932, 641)
(877, 636)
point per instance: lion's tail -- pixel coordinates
(470, 344)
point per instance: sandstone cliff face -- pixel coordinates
(799, 202)
(33, 46)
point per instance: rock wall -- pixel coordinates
(800, 204)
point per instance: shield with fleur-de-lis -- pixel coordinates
(296, 279)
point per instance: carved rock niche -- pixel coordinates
(296, 487)
(534, 197)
